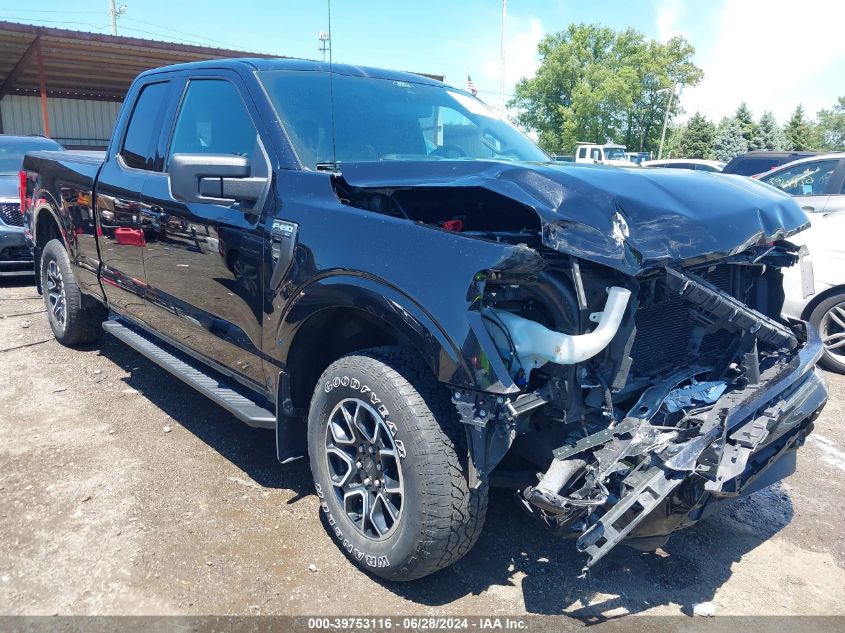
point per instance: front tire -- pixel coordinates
(72, 322)
(389, 461)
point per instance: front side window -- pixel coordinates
(805, 179)
(383, 119)
(213, 119)
(615, 153)
(139, 144)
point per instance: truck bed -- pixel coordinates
(70, 176)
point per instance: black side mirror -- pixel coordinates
(213, 179)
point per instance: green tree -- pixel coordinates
(729, 141)
(697, 138)
(830, 128)
(749, 127)
(769, 133)
(674, 133)
(798, 131)
(596, 84)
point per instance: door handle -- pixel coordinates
(809, 209)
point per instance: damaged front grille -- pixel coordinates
(665, 330)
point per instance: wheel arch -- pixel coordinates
(452, 340)
(339, 315)
(45, 227)
(818, 298)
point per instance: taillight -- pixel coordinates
(22, 190)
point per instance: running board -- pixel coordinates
(238, 405)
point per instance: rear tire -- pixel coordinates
(72, 321)
(381, 427)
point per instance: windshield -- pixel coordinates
(13, 149)
(382, 119)
(614, 153)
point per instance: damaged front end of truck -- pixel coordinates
(650, 375)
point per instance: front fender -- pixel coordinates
(460, 354)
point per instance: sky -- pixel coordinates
(773, 54)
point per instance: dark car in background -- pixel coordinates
(15, 254)
(761, 161)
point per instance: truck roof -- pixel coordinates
(249, 64)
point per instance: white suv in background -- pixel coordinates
(818, 185)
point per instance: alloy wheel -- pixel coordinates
(56, 293)
(832, 330)
(364, 467)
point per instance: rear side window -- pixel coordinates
(141, 140)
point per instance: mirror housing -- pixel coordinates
(213, 179)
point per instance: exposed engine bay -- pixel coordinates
(646, 399)
(651, 375)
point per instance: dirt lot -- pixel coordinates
(122, 491)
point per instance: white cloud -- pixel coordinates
(521, 59)
(670, 14)
(773, 54)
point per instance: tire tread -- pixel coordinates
(453, 513)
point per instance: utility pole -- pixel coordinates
(502, 51)
(666, 118)
(113, 13)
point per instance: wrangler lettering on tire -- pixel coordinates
(389, 461)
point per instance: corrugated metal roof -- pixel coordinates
(85, 65)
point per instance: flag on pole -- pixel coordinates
(471, 86)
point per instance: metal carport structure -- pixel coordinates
(51, 66)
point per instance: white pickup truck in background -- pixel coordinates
(607, 154)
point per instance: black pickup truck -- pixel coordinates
(412, 294)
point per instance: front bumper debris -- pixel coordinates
(741, 438)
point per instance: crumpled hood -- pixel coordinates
(628, 219)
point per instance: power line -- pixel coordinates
(168, 36)
(167, 28)
(75, 12)
(197, 42)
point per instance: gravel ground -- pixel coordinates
(122, 491)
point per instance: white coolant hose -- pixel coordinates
(536, 344)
